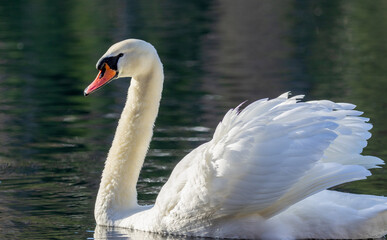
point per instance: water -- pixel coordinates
(216, 54)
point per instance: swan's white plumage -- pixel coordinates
(264, 159)
(263, 175)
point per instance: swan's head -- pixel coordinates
(127, 58)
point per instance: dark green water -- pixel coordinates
(216, 54)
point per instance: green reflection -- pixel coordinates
(54, 141)
(366, 78)
(341, 54)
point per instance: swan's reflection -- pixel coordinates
(111, 233)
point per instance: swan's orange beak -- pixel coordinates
(105, 75)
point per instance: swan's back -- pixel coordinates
(261, 162)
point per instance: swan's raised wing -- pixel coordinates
(267, 157)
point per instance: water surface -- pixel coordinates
(216, 54)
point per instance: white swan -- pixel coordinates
(263, 175)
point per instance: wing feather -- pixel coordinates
(267, 157)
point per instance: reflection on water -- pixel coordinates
(122, 233)
(216, 54)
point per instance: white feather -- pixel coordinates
(263, 175)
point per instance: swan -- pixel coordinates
(264, 174)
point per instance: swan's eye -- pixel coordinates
(110, 61)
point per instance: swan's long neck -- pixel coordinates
(117, 190)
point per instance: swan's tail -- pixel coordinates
(332, 214)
